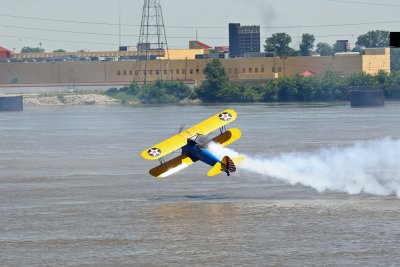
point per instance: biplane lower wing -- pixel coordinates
(177, 141)
(228, 137)
(172, 166)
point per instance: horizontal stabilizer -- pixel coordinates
(217, 169)
(172, 166)
(238, 159)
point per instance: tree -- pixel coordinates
(338, 48)
(32, 50)
(362, 79)
(374, 39)
(216, 81)
(395, 58)
(358, 49)
(333, 86)
(391, 87)
(163, 92)
(324, 49)
(307, 43)
(292, 52)
(59, 50)
(279, 44)
(158, 92)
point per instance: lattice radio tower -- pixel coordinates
(152, 43)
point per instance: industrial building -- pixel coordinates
(185, 67)
(152, 59)
(243, 39)
(342, 46)
(4, 53)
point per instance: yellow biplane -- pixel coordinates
(193, 150)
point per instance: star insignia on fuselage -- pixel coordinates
(154, 152)
(226, 116)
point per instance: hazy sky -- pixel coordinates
(93, 24)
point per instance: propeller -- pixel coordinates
(204, 140)
(181, 128)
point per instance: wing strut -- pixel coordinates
(222, 129)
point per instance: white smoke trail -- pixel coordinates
(371, 167)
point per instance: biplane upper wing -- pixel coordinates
(177, 141)
(217, 121)
(165, 147)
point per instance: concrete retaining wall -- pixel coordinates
(11, 103)
(373, 98)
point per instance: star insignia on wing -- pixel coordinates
(154, 152)
(226, 116)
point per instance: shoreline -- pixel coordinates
(83, 98)
(68, 99)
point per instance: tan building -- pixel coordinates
(175, 54)
(185, 68)
(376, 59)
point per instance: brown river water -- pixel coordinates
(75, 192)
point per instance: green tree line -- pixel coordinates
(158, 92)
(330, 86)
(279, 44)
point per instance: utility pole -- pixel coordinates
(152, 40)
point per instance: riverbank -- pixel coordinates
(69, 99)
(61, 99)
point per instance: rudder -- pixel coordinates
(229, 164)
(226, 165)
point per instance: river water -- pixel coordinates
(74, 191)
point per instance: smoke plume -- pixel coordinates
(267, 12)
(366, 167)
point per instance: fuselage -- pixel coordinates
(197, 152)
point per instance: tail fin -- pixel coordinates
(226, 165)
(227, 162)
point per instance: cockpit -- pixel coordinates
(199, 147)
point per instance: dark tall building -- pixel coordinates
(243, 39)
(342, 46)
(234, 50)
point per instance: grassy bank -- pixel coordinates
(159, 92)
(58, 99)
(330, 86)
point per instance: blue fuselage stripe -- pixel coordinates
(201, 154)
